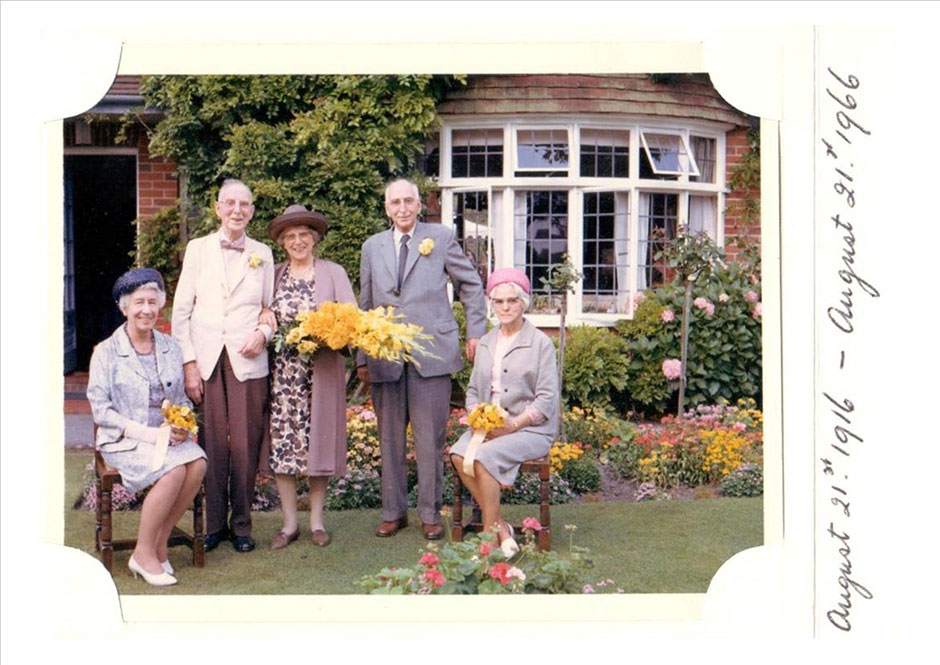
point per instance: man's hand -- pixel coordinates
(193, 381)
(471, 348)
(268, 318)
(363, 372)
(253, 345)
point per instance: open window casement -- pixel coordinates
(668, 153)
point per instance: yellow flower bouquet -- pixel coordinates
(484, 418)
(379, 333)
(179, 416)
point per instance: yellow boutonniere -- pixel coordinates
(254, 260)
(425, 247)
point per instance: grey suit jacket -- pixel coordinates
(423, 298)
(530, 376)
(118, 389)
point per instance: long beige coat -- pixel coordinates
(326, 454)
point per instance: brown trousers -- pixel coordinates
(235, 415)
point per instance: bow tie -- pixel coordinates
(237, 245)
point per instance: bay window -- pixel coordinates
(611, 194)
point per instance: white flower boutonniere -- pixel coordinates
(254, 260)
(425, 247)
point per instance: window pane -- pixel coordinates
(471, 227)
(476, 153)
(605, 153)
(666, 154)
(659, 216)
(704, 151)
(541, 240)
(545, 149)
(605, 252)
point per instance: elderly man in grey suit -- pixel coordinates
(407, 267)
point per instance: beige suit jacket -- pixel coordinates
(211, 312)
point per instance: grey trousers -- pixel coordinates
(425, 403)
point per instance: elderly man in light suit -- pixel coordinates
(226, 280)
(412, 277)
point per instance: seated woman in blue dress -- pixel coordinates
(515, 369)
(132, 373)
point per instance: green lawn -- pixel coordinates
(649, 547)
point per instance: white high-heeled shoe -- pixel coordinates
(509, 546)
(167, 567)
(160, 579)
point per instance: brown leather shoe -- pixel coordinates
(282, 540)
(433, 531)
(390, 528)
(320, 538)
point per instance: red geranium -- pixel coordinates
(485, 549)
(434, 576)
(429, 559)
(500, 572)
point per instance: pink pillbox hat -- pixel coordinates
(507, 276)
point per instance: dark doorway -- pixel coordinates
(100, 208)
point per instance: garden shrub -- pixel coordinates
(582, 475)
(623, 459)
(159, 246)
(596, 366)
(526, 491)
(724, 355)
(594, 428)
(747, 480)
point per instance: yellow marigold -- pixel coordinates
(486, 417)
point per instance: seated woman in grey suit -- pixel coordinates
(514, 368)
(132, 373)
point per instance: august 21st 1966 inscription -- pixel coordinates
(840, 141)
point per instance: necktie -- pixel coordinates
(237, 245)
(402, 258)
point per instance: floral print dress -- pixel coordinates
(291, 384)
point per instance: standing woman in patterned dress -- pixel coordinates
(308, 400)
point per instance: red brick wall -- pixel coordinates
(735, 224)
(157, 181)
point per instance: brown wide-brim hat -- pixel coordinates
(298, 215)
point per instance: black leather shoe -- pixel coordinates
(243, 543)
(213, 539)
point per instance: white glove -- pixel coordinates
(160, 436)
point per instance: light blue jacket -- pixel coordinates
(118, 389)
(530, 376)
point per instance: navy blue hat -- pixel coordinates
(135, 278)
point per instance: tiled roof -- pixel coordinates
(691, 96)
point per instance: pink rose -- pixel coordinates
(672, 368)
(638, 298)
(709, 309)
(668, 315)
(700, 302)
(750, 296)
(531, 523)
(757, 311)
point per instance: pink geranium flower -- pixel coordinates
(587, 588)
(672, 368)
(750, 296)
(429, 559)
(668, 315)
(485, 549)
(518, 574)
(500, 572)
(531, 523)
(435, 577)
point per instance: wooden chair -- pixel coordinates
(540, 466)
(106, 478)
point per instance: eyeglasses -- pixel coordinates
(511, 302)
(231, 203)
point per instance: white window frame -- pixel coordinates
(501, 218)
(683, 139)
(535, 169)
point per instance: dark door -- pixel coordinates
(101, 206)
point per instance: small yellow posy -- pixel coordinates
(254, 260)
(424, 249)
